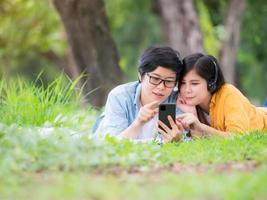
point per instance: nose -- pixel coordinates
(161, 85)
(187, 88)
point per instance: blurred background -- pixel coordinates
(102, 40)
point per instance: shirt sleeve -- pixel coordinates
(236, 115)
(115, 120)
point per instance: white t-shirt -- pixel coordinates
(150, 129)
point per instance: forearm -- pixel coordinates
(132, 132)
(210, 131)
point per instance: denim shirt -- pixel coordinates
(122, 107)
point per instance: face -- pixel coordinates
(194, 89)
(151, 92)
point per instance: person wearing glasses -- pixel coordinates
(131, 109)
(221, 109)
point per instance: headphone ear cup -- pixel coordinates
(211, 86)
(175, 89)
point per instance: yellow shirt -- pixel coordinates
(231, 111)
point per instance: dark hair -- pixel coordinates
(163, 56)
(207, 67)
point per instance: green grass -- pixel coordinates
(240, 185)
(25, 103)
(47, 152)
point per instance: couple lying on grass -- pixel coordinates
(205, 105)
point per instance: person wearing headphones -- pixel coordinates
(221, 109)
(131, 109)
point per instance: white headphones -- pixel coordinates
(175, 89)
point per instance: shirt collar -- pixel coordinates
(137, 96)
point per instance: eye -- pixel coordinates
(167, 81)
(155, 78)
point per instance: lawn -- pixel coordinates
(57, 157)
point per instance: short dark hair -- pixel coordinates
(207, 67)
(163, 56)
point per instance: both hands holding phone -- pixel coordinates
(170, 126)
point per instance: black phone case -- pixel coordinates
(164, 111)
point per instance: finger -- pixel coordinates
(153, 104)
(164, 134)
(156, 110)
(172, 123)
(165, 127)
(181, 116)
(181, 101)
(148, 112)
(179, 125)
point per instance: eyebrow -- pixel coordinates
(159, 76)
(191, 80)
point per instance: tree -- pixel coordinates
(181, 26)
(231, 40)
(182, 29)
(93, 49)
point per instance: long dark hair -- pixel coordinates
(209, 69)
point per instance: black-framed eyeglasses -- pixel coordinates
(156, 81)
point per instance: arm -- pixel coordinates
(190, 121)
(116, 120)
(145, 114)
(235, 113)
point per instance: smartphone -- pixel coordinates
(165, 110)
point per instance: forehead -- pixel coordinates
(192, 74)
(164, 72)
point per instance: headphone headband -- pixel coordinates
(212, 83)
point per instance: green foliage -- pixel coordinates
(252, 55)
(211, 35)
(64, 149)
(29, 104)
(134, 28)
(29, 29)
(81, 167)
(73, 185)
(46, 147)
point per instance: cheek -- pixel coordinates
(182, 90)
(168, 91)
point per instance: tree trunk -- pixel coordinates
(230, 44)
(181, 26)
(93, 49)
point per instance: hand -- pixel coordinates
(180, 103)
(190, 121)
(147, 112)
(173, 134)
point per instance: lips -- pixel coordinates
(158, 94)
(189, 98)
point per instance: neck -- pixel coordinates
(142, 99)
(205, 105)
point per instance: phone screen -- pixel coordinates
(164, 111)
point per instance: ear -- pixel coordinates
(139, 77)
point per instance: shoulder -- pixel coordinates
(228, 90)
(123, 94)
(127, 89)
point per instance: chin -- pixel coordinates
(191, 103)
(159, 98)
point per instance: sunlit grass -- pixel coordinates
(46, 147)
(25, 103)
(161, 186)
